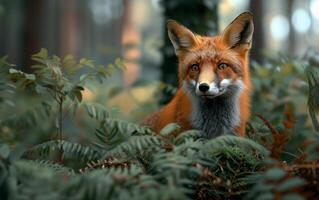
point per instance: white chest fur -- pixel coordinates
(214, 116)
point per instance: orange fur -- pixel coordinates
(209, 51)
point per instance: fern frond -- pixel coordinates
(118, 169)
(194, 134)
(229, 140)
(96, 111)
(30, 118)
(161, 192)
(28, 175)
(274, 181)
(134, 146)
(113, 132)
(100, 184)
(69, 149)
(126, 127)
(313, 97)
(107, 163)
(169, 129)
(189, 147)
(54, 166)
(6, 91)
(169, 162)
(109, 137)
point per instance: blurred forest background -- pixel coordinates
(134, 30)
(81, 74)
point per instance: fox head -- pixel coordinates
(213, 66)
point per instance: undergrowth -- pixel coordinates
(277, 160)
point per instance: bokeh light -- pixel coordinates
(105, 10)
(301, 20)
(279, 27)
(238, 3)
(314, 8)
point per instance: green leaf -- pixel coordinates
(120, 63)
(290, 184)
(4, 151)
(78, 95)
(70, 66)
(266, 196)
(71, 150)
(87, 62)
(182, 137)
(74, 92)
(41, 57)
(4, 62)
(12, 71)
(275, 174)
(43, 53)
(292, 197)
(30, 77)
(96, 111)
(19, 75)
(83, 77)
(169, 129)
(230, 140)
(40, 89)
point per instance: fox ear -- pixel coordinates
(239, 32)
(181, 37)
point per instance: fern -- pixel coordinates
(96, 111)
(29, 175)
(195, 134)
(126, 127)
(29, 118)
(169, 129)
(68, 149)
(313, 102)
(113, 132)
(135, 146)
(222, 158)
(130, 170)
(274, 182)
(57, 168)
(131, 161)
(7, 88)
(229, 140)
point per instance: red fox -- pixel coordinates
(214, 81)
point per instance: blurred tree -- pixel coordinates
(131, 39)
(89, 28)
(69, 26)
(292, 34)
(11, 31)
(200, 16)
(32, 33)
(256, 7)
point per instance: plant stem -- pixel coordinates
(314, 119)
(60, 116)
(60, 119)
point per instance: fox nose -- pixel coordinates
(203, 87)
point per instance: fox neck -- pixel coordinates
(214, 116)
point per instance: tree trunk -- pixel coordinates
(256, 8)
(292, 33)
(33, 31)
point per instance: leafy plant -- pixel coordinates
(123, 160)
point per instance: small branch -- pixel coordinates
(60, 116)
(60, 128)
(314, 119)
(267, 123)
(311, 166)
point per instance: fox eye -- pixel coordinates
(222, 66)
(194, 67)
